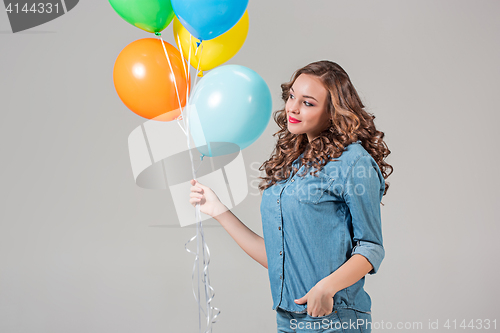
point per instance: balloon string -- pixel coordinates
(199, 61)
(173, 75)
(182, 57)
(206, 257)
(182, 128)
(199, 226)
(187, 73)
(189, 59)
(210, 320)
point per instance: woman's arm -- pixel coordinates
(210, 204)
(346, 275)
(248, 240)
(363, 193)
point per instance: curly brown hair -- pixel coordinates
(349, 122)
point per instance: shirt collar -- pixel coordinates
(297, 160)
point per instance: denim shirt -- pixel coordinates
(313, 225)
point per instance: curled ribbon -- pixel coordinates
(200, 237)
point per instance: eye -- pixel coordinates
(291, 96)
(308, 104)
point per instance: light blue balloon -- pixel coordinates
(207, 19)
(230, 107)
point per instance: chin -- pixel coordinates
(294, 132)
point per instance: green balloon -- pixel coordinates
(148, 15)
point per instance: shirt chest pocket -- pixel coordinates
(313, 189)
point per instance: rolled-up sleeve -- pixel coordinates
(363, 192)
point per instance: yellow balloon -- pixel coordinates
(215, 51)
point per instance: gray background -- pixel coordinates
(84, 249)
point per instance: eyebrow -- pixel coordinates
(306, 95)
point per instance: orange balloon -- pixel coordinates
(145, 83)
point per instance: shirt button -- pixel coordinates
(280, 252)
(278, 201)
(293, 180)
(279, 228)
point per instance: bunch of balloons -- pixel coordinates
(152, 77)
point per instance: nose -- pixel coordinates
(292, 106)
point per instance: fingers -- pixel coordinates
(196, 186)
(195, 199)
(195, 183)
(196, 193)
(196, 189)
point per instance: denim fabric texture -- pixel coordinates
(312, 225)
(343, 320)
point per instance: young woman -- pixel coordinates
(320, 205)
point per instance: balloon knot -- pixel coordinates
(198, 44)
(157, 33)
(201, 157)
(200, 73)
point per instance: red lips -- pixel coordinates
(293, 120)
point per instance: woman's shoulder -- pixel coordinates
(340, 166)
(351, 153)
(354, 148)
